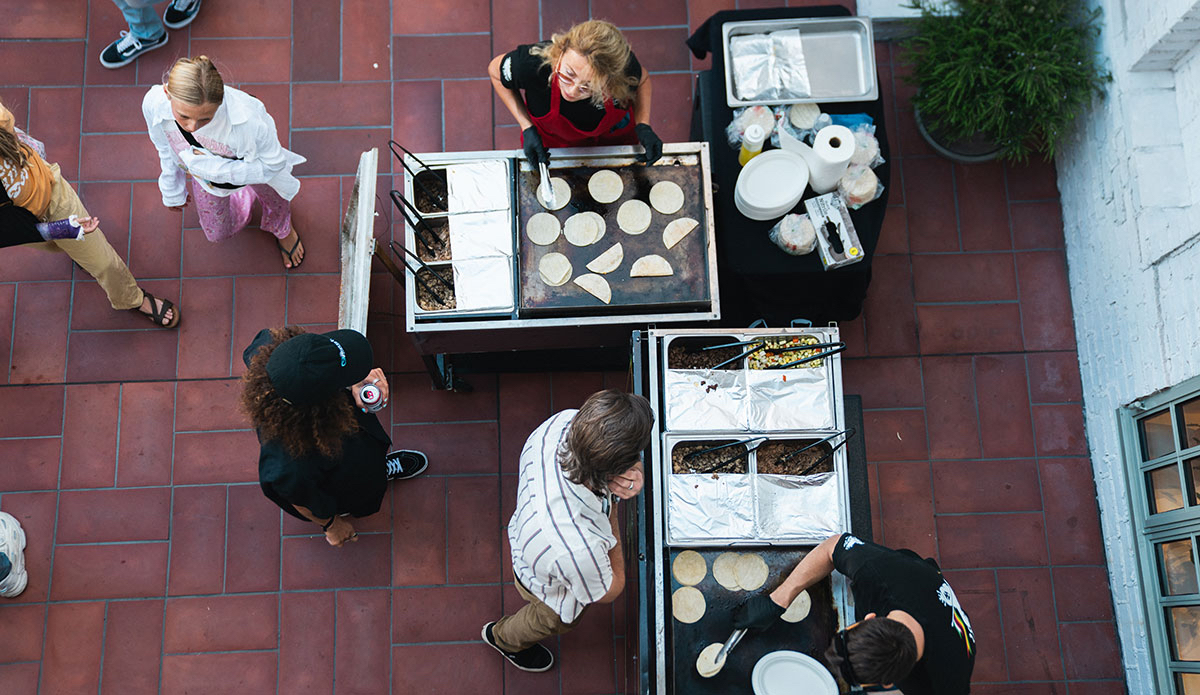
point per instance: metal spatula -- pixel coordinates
(545, 190)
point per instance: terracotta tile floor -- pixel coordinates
(156, 565)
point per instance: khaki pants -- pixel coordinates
(533, 623)
(93, 252)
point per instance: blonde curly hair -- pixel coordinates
(604, 47)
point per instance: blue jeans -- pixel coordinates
(144, 21)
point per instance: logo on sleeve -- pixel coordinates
(506, 69)
(849, 542)
(958, 617)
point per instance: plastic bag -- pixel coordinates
(799, 121)
(743, 118)
(853, 120)
(859, 186)
(866, 148)
(794, 234)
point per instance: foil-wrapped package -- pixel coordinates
(481, 234)
(704, 507)
(477, 186)
(802, 509)
(769, 67)
(702, 399)
(789, 399)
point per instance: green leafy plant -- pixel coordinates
(1017, 72)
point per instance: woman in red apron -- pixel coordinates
(582, 88)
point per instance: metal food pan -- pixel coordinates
(839, 53)
(708, 507)
(685, 641)
(472, 184)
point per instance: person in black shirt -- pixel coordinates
(913, 636)
(323, 455)
(582, 88)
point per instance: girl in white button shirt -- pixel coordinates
(225, 140)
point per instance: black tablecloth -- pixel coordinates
(758, 280)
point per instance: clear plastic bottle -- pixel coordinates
(752, 143)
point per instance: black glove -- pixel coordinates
(756, 613)
(651, 142)
(535, 151)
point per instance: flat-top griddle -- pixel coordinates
(688, 287)
(810, 636)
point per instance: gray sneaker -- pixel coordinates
(180, 13)
(12, 544)
(403, 464)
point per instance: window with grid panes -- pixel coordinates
(1163, 451)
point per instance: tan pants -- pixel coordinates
(533, 623)
(93, 252)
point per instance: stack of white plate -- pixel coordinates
(788, 673)
(770, 185)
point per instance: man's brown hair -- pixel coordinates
(881, 651)
(606, 438)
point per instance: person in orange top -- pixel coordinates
(34, 194)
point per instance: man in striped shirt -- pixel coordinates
(566, 547)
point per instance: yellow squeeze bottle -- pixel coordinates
(752, 143)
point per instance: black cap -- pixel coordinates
(311, 367)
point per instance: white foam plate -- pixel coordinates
(770, 184)
(786, 673)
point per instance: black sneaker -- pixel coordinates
(534, 659)
(126, 49)
(180, 13)
(404, 464)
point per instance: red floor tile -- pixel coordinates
(454, 447)
(74, 635)
(515, 22)
(198, 538)
(672, 125)
(97, 516)
(221, 623)
(950, 408)
(112, 109)
(1002, 392)
(253, 19)
(209, 405)
(1073, 516)
(444, 406)
(66, 20)
(260, 60)
(440, 57)
(336, 151)
(39, 464)
(52, 119)
(248, 672)
(259, 302)
(1036, 225)
(658, 49)
(311, 28)
(1034, 180)
(39, 347)
(1054, 377)
(895, 435)
(440, 16)
(884, 382)
(215, 457)
(366, 42)
(992, 540)
(891, 324)
(363, 104)
(419, 535)
(362, 649)
(967, 277)
(24, 59)
(206, 327)
(31, 411)
(417, 111)
(1010, 485)
(1030, 634)
(89, 443)
(305, 647)
(469, 126)
(155, 234)
(1082, 593)
(1088, 650)
(473, 534)
(1059, 430)
(638, 13)
(252, 553)
(976, 591)
(906, 513)
(969, 328)
(588, 649)
(147, 355)
(23, 627)
(1045, 301)
(929, 200)
(982, 207)
(311, 563)
(132, 646)
(312, 299)
(132, 570)
(893, 237)
(559, 16)
(147, 417)
(423, 668)
(442, 614)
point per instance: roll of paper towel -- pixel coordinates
(827, 159)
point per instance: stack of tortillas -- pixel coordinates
(582, 229)
(740, 571)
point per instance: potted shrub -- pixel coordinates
(1001, 78)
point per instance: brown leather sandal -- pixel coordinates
(159, 312)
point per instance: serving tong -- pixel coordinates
(750, 445)
(850, 432)
(730, 643)
(835, 348)
(432, 293)
(420, 225)
(392, 145)
(746, 353)
(545, 190)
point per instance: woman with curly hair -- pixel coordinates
(323, 454)
(582, 88)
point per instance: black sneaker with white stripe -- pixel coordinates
(126, 49)
(180, 13)
(404, 464)
(535, 659)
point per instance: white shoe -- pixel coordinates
(12, 544)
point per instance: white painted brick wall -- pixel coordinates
(1130, 183)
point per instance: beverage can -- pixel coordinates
(371, 397)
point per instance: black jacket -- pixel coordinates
(17, 225)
